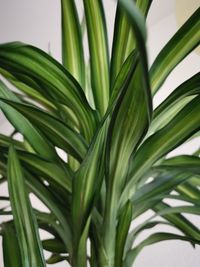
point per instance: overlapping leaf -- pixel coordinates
(24, 219)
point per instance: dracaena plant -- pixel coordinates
(100, 114)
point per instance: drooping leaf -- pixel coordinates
(54, 129)
(152, 239)
(49, 77)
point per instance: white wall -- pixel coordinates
(38, 22)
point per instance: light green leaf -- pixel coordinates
(175, 102)
(180, 45)
(72, 47)
(98, 47)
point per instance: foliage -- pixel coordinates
(99, 113)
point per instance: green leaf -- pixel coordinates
(162, 142)
(163, 184)
(125, 133)
(57, 173)
(54, 129)
(123, 40)
(54, 258)
(56, 208)
(98, 47)
(49, 77)
(72, 47)
(179, 221)
(175, 102)
(122, 232)
(152, 239)
(54, 245)
(88, 179)
(139, 29)
(180, 45)
(183, 164)
(24, 219)
(32, 134)
(11, 251)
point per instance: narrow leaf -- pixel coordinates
(98, 46)
(10, 247)
(25, 222)
(180, 45)
(72, 48)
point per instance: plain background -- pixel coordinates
(38, 22)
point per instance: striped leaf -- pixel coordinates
(162, 142)
(152, 239)
(123, 40)
(24, 219)
(180, 45)
(53, 129)
(72, 48)
(54, 81)
(98, 46)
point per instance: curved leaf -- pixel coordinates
(185, 123)
(152, 239)
(54, 129)
(175, 102)
(51, 79)
(180, 45)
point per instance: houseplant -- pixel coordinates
(101, 115)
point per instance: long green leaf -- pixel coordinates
(121, 48)
(185, 163)
(72, 47)
(25, 222)
(181, 44)
(122, 232)
(88, 179)
(124, 133)
(98, 46)
(163, 141)
(179, 221)
(152, 239)
(55, 130)
(175, 102)
(51, 79)
(32, 134)
(10, 247)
